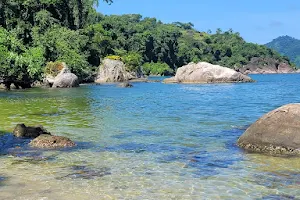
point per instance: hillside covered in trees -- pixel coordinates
(287, 46)
(33, 33)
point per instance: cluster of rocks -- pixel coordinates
(41, 137)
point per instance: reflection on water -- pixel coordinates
(153, 141)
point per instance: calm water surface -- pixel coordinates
(152, 141)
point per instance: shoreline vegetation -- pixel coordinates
(34, 34)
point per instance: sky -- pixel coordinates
(258, 21)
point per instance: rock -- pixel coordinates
(125, 85)
(2, 86)
(277, 132)
(171, 80)
(66, 80)
(29, 132)
(54, 69)
(207, 73)
(115, 71)
(266, 66)
(50, 141)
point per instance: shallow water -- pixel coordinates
(152, 141)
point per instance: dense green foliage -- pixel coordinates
(33, 33)
(158, 69)
(287, 46)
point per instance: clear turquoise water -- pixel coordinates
(152, 141)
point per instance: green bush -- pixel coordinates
(161, 69)
(114, 57)
(133, 61)
(53, 68)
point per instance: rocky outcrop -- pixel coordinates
(60, 76)
(50, 141)
(266, 66)
(203, 72)
(115, 71)
(23, 131)
(53, 70)
(277, 132)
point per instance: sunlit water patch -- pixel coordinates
(152, 141)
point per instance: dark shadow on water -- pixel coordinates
(204, 163)
(20, 149)
(279, 197)
(132, 147)
(276, 180)
(137, 133)
(2, 180)
(12, 145)
(84, 172)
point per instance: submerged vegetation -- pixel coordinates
(33, 33)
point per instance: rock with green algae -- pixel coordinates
(276, 133)
(51, 141)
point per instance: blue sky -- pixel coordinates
(258, 21)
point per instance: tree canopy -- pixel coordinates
(35, 32)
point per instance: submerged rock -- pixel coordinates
(83, 172)
(125, 85)
(277, 132)
(203, 72)
(50, 141)
(115, 71)
(29, 132)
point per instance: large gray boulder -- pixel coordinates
(66, 80)
(51, 141)
(203, 72)
(277, 132)
(115, 71)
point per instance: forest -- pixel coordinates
(35, 32)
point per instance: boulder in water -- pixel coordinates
(203, 72)
(115, 71)
(29, 132)
(66, 80)
(125, 85)
(58, 75)
(50, 141)
(277, 132)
